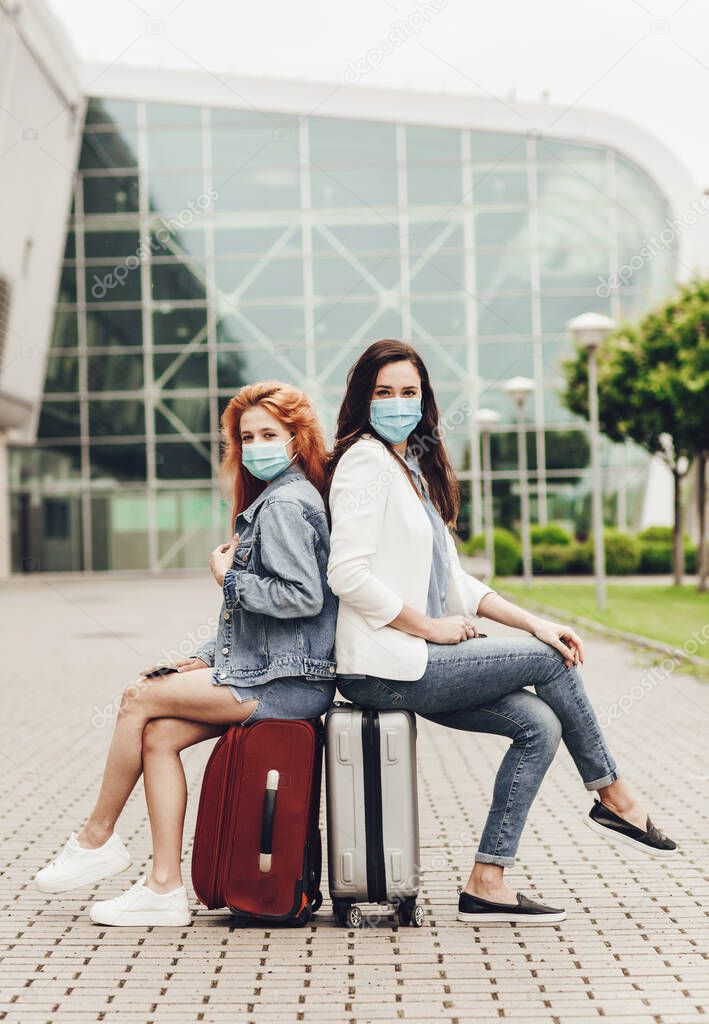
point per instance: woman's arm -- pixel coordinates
(498, 609)
(358, 497)
(290, 586)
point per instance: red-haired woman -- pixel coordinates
(272, 656)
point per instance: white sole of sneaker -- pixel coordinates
(512, 918)
(86, 878)
(139, 919)
(616, 837)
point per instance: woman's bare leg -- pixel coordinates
(166, 792)
(189, 695)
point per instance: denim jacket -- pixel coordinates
(279, 615)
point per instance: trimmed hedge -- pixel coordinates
(550, 535)
(508, 553)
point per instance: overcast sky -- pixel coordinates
(645, 59)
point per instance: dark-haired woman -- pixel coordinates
(271, 657)
(406, 635)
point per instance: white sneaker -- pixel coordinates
(139, 905)
(76, 866)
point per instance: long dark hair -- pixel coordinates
(353, 421)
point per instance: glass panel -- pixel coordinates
(157, 114)
(347, 143)
(182, 415)
(118, 462)
(116, 417)
(377, 237)
(573, 268)
(65, 330)
(266, 280)
(502, 227)
(115, 373)
(67, 285)
(497, 186)
(116, 113)
(181, 462)
(439, 272)
(567, 449)
(178, 280)
(501, 315)
(358, 186)
(231, 370)
(59, 419)
(179, 326)
(114, 327)
(505, 359)
(174, 371)
(435, 185)
(426, 145)
(109, 150)
(114, 282)
(557, 310)
(107, 244)
(444, 319)
(257, 188)
(70, 246)
(348, 278)
(120, 531)
(186, 528)
(176, 148)
(508, 269)
(498, 146)
(44, 465)
(52, 528)
(248, 241)
(171, 238)
(111, 194)
(174, 192)
(62, 374)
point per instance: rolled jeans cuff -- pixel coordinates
(491, 858)
(605, 781)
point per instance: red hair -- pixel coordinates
(295, 411)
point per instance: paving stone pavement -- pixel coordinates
(634, 946)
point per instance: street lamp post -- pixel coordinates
(589, 330)
(486, 420)
(519, 389)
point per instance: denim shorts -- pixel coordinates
(287, 697)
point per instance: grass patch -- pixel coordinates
(672, 615)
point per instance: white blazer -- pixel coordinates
(380, 558)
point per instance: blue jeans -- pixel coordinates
(478, 686)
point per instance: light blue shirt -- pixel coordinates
(438, 581)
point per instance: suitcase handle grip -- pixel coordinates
(269, 810)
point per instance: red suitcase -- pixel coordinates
(257, 846)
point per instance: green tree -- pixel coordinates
(653, 383)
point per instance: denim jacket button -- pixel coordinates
(227, 616)
(225, 650)
(331, 668)
(222, 675)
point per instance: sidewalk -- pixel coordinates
(634, 947)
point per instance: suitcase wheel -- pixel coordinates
(410, 913)
(353, 917)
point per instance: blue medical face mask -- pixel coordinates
(266, 460)
(394, 418)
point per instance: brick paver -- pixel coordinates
(634, 947)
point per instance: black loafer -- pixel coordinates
(474, 910)
(649, 840)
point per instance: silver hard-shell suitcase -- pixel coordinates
(372, 811)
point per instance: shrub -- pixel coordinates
(581, 558)
(622, 552)
(508, 553)
(655, 556)
(551, 559)
(550, 535)
(656, 534)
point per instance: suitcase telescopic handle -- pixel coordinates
(269, 810)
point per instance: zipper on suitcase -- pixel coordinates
(218, 863)
(376, 868)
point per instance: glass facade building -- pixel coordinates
(209, 247)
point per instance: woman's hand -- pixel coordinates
(189, 664)
(451, 629)
(563, 638)
(222, 558)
